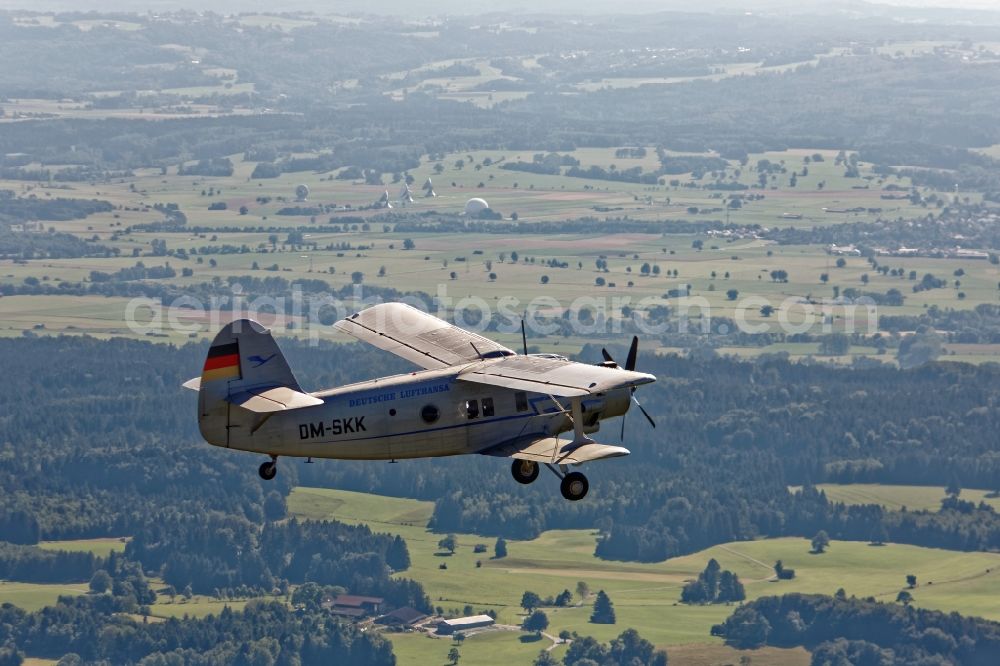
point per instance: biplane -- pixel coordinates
(471, 396)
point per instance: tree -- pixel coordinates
(732, 294)
(820, 542)
(824, 277)
(904, 597)
(604, 610)
(274, 506)
(545, 658)
(100, 582)
(449, 543)
(631, 648)
(783, 572)
(408, 244)
(500, 548)
(545, 279)
(537, 622)
(954, 488)
(582, 589)
(453, 654)
(834, 344)
(530, 601)
(357, 277)
(767, 310)
(911, 580)
(841, 262)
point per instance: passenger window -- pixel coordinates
(487, 406)
(430, 414)
(472, 408)
(521, 401)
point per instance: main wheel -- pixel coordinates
(524, 471)
(268, 470)
(574, 486)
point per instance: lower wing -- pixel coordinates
(554, 450)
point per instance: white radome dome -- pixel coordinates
(475, 206)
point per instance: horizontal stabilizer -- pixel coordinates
(555, 450)
(194, 384)
(275, 399)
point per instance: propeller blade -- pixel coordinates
(622, 438)
(524, 337)
(644, 412)
(633, 351)
(606, 355)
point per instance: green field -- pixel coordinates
(32, 596)
(913, 498)
(646, 595)
(99, 547)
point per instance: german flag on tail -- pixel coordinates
(223, 362)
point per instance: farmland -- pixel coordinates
(646, 595)
(641, 269)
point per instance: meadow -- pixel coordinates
(913, 498)
(646, 595)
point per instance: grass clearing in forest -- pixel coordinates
(894, 497)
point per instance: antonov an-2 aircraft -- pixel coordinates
(473, 396)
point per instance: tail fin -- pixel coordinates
(245, 368)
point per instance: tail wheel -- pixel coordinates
(574, 486)
(524, 471)
(268, 470)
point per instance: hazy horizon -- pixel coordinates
(472, 7)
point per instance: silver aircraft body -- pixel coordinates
(472, 396)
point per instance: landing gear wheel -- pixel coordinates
(574, 486)
(268, 470)
(524, 471)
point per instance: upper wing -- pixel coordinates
(553, 376)
(419, 337)
(555, 451)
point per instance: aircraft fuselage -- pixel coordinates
(421, 414)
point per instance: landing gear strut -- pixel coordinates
(268, 470)
(574, 486)
(524, 471)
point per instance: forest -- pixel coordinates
(122, 451)
(841, 630)
(264, 633)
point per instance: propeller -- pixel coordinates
(633, 354)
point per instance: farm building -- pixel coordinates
(404, 617)
(447, 627)
(353, 605)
